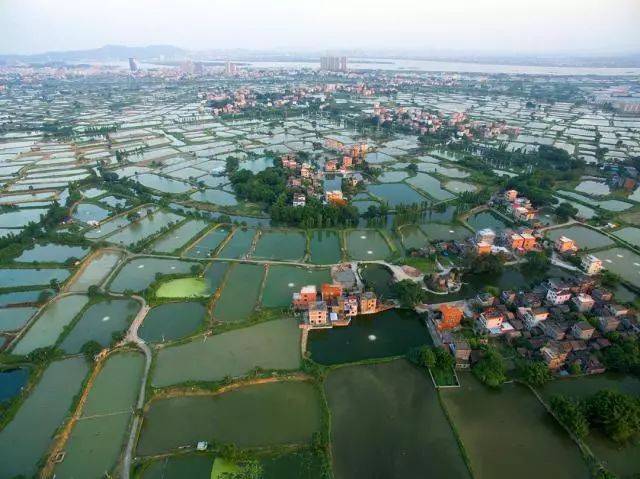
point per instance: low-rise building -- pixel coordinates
(582, 330)
(558, 294)
(565, 245)
(590, 264)
(583, 302)
(450, 318)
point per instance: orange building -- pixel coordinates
(451, 317)
(565, 245)
(483, 248)
(306, 296)
(330, 292)
(318, 313)
(528, 241)
(368, 303)
(516, 241)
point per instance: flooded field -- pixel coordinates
(485, 418)
(99, 322)
(26, 439)
(269, 345)
(240, 293)
(366, 245)
(281, 245)
(623, 461)
(51, 322)
(97, 439)
(192, 466)
(171, 321)
(95, 272)
(325, 247)
(630, 234)
(139, 273)
(390, 333)
(282, 281)
(387, 422)
(259, 415)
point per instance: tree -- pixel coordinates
(623, 356)
(93, 290)
(565, 210)
(571, 415)
(408, 293)
(488, 264)
(617, 415)
(90, 349)
(490, 369)
(536, 263)
(535, 374)
(609, 278)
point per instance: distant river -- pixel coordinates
(424, 66)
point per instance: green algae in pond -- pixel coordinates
(139, 273)
(270, 345)
(26, 439)
(183, 288)
(386, 421)
(171, 321)
(259, 415)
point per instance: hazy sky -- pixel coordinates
(525, 26)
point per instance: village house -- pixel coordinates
(448, 319)
(557, 292)
(565, 245)
(583, 302)
(582, 330)
(590, 264)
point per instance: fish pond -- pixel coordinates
(26, 439)
(282, 281)
(171, 321)
(52, 253)
(18, 278)
(207, 245)
(51, 323)
(239, 294)
(584, 237)
(367, 245)
(95, 271)
(269, 345)
(139, 273)
(389, 333)
(325, 247)
(269, 414)
(99, 322)
(13, 319)
(12, 381)
(178, 237)
(239, 244)
(99, 435)
(281, 245)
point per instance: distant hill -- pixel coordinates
(106, 53)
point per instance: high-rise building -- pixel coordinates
(133, 65)
(333, 64)
(230, 68)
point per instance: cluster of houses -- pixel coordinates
(304, 180)
(334, 305)
(519, 207)
(561, 323)
(589, 263)
(518, 241)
